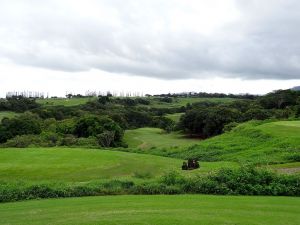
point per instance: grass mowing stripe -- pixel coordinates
(158, 210)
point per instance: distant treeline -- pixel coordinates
(207, 95)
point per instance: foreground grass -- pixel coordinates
(164, 210)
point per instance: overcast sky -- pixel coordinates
(149, 46)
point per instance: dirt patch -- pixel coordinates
(289, 170)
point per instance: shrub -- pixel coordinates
(23, 141)
(88, 142)
(68, 140)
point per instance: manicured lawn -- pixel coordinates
(72, 164)
(155, 210)
(79, 165)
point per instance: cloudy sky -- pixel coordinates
(149, 46)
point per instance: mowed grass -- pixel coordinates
(147, 138)
(156, 210)
(7, 115)
(261, 142)
(77, 165)
(83, 165)
(64, 101)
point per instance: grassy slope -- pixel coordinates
(254, 142)
(268, 142)
(158, 210)
(7, 114)
(63, 101)
(147, 138)
(175, 117)
(62, 164)
(155, 141)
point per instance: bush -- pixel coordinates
(88, 142)
(25, 124)
(68, 140)
(24, 141)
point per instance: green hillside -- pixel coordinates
(259, 142)
(63, 101)
(158, 210)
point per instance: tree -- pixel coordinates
(26, 123)
(207, 122)
(106, 138)
(69, 95)
(108, 132)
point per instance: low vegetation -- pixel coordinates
(240, 181)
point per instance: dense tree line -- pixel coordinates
(206, 95)
(210, 119)
(97, 123)
(18, 104)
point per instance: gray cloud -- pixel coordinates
(153, 38)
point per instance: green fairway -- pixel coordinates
(77, 165)
(261, 142)
(65, 164)
(156, 210)
(147, 138)
(64, 101)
